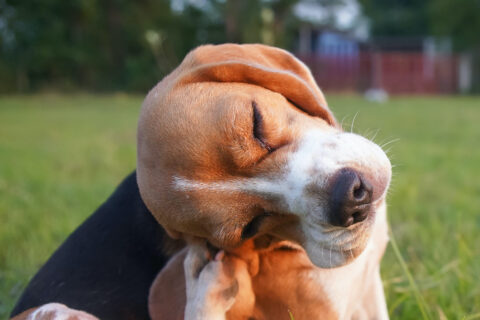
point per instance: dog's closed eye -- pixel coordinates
(258, 128)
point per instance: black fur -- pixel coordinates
(106, 266)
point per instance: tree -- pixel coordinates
(458, 20)
(396, 17)
(122, 44)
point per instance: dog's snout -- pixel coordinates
(350, 198)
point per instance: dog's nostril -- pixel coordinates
(362, 192)
(359, 216)
(359, 192)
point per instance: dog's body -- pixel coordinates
(107, 265)
(238, 150)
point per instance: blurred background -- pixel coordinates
(403, 73)
(401, 46)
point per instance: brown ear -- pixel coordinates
(167, 297)
(272, 68)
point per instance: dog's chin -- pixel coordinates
(328, 258)
(338, 250)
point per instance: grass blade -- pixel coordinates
(422, 305)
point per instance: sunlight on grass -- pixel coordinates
(61, 157)
(418, 296)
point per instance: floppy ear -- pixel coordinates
(272, 68)
(167, 297)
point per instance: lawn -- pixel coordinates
(61, 156)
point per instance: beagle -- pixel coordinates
(238, 156)
(260, 168)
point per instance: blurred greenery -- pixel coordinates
(126, 45)
(62, 155)
(458, 20)
(119, 44)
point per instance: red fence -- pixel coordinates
(395, 72)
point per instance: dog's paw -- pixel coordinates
(210, 282)
(54, 311)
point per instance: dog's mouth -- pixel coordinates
(332, 246)
(253, 227)
(327, 246)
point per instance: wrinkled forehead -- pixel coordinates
(212, 101)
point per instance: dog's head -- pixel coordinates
(238, 142)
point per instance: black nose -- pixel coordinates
(350, 198)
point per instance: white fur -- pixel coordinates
(353, 280)
(320, 156)
(204, 298)
(57, 311)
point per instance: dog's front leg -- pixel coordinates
(211, 287)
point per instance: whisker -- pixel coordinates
(366, 133)
(384, 140)
(353, 121)
(331, 248)
(388, 150)
(389, 142)
(375, 135)
(323, 250)
(343, 119)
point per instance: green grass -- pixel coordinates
(61, 156)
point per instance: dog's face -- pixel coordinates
(229, 161)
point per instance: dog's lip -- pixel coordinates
(341, 236)
(358, 227)
(374, 206)
(341, 239)
(346, 252)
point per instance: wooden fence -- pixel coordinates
(395, 72)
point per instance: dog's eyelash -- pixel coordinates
(258, 127)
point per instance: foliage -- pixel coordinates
(114, 45)
(458, 20)
(95, 44)
(59, 161)
(119, 44)
(396, 17)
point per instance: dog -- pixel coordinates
(266, 208)
(270, 178)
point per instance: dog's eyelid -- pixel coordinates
(257, 122)
(258, 127)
